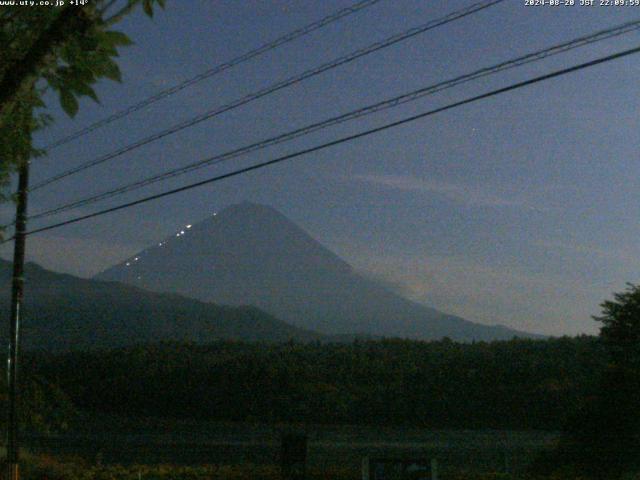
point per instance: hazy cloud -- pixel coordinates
(507, 294)
(460, 193)
(81, 257)
(626, 255)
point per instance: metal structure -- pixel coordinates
(17, 293)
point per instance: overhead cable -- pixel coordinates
(217, 178)
(267, 47)
(394, 39)
(352, 115)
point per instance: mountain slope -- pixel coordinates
(251, 254)
(63, 312)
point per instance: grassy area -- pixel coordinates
(200, 450)
(227, 451)
(51, 469)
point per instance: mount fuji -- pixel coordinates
(250, 254)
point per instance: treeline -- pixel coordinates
(518, 384)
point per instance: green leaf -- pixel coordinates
(86, 90)
(69, 52)
(88, 42)
(107, 49)
(148, 7)
(117, 38)
(84, 73)
(112, 71)
(68, 102)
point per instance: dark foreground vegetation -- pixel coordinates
(516, 385)
(586, 387)
(520, 384)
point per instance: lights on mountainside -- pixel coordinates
(180, 233)
(160, 244)
(128, 263)
(136, 259)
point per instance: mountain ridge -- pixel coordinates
(252, 254)
(63, 312)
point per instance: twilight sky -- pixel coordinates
(522, 209)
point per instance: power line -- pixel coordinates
(276, 87)
(352, 115)
(341, 140)
(287, 38)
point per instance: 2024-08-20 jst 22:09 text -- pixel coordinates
(582, 3)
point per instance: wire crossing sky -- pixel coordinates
(374, 47)
(349, 138)
(289, 37)
(370, 109)
(520, 210)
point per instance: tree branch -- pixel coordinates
(18, 75)
(123, 12)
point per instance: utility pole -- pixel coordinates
(17, 287)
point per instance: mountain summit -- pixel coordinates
(250, 254)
